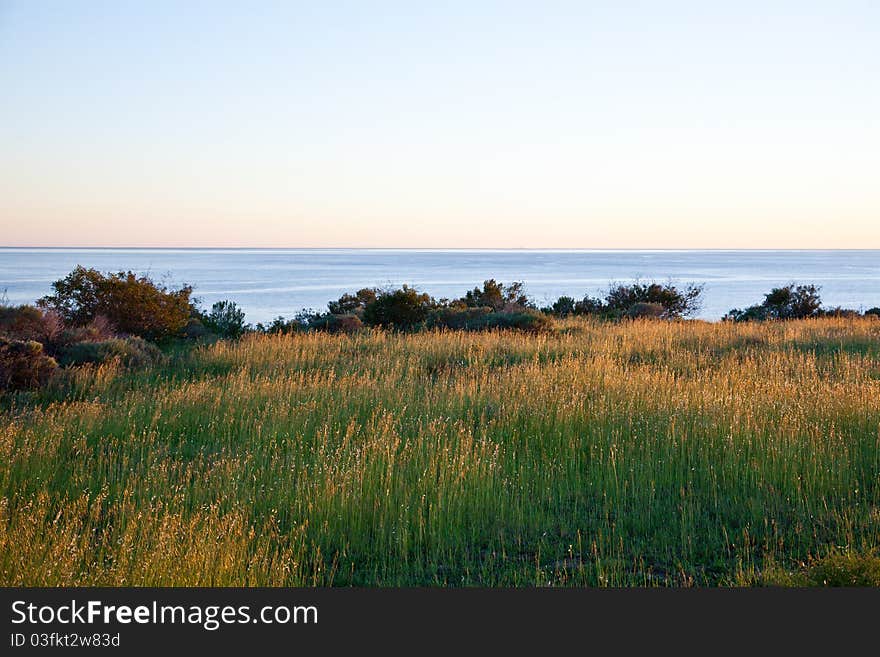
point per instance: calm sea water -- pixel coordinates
(267, 283)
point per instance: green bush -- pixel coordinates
(132, 304)
(310, 320)
(522, 320)
(621, 299)
(226, 319)
(132, 352)
(787, 302)
(589, 306)
(633, 300)
(567, 306)
(562, 307)
(497, 296)
(403, 308)
(24, 365)
(279, 325)
(484, 319)
(457, 318)
(353, 304)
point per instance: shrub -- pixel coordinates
(562, 307)
(526, 319)
(195, 329)
(132, 304)
(589, 306)
(29, 323)
(23, 364)
(403, 308)
(646, 310)
(98, 330)
(566, 306)
(750, 314)
(872, 311)
(336, 323)
(226, 319)
(281, 325)
(794, 302)
(787, 302)
(483, 319)
(304, 320)
(457, 318)
(310, 320)
(845, 570)
(131, 352)
(838, 569)
(497, 296)
(675, 302)
(353, 304)
(839, 312)
(634, 300)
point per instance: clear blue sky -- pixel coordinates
(447, 124)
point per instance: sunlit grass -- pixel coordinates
(599, 454)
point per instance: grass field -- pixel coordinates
(640, 453)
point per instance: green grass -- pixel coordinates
(641, 453)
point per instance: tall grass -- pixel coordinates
(629, 454)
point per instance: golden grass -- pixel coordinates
(599, 454)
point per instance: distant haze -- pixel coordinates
(451, 124)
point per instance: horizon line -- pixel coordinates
(432, 248)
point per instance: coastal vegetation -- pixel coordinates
(401, 440)
(129, 303)
(637, 453)
(93, 317)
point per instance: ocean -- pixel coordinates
(271, 282)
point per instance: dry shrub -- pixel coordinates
(29, 323)
(132, 352)
(23, 365)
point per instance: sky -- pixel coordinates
(440, 125)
